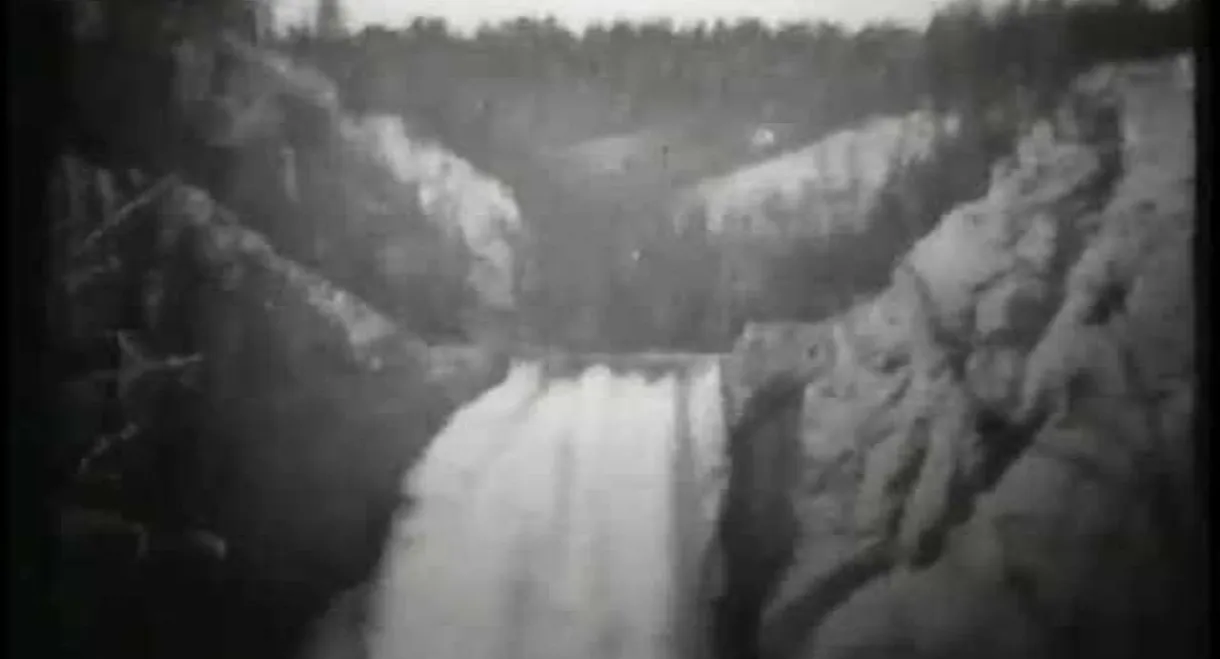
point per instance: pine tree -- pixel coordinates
(330, 20)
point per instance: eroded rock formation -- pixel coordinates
(997, 451)
(457, 197)
(217, 385)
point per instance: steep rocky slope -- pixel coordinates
(465, 205)
(832, 184)
(239, 359)
(193, 356)
(237, 424)
(997, 456)
(166, 89)
(455, 196)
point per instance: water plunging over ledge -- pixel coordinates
(567, 512)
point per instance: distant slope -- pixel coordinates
(832, 182)
(679, 152)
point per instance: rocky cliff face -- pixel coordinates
(402, 197)
(233, 345)
(214, 384)
(989, 458)
(456, 197)
(997, 457)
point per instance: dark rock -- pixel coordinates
(267, 403)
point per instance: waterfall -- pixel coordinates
(560, 517)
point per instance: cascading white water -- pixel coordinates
(559, 518)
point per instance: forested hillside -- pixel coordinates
(676, 106)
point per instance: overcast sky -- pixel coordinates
(465, 15)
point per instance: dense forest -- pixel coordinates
(500, 96)
(603, 273)
(818, 75)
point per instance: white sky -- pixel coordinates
(465, 15)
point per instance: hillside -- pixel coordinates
(1005, 430)
(457, 198)
(600, 134)
(989, 457)
(835, 180)
(241, 353)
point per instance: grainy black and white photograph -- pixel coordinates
(645, 329)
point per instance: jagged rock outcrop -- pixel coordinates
(177, 89)
(227, 337)
(367, 225)
(217, 385)
(996, 449)
(461, 202)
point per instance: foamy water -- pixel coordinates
(559, 518)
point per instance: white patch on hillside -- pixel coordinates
(840, 174)
(455, 196)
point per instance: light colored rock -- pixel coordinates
(1046, 288)
(453, 195)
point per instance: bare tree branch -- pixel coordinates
(103, 445)
(147, 368)
(119, 216)
(74, 280)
